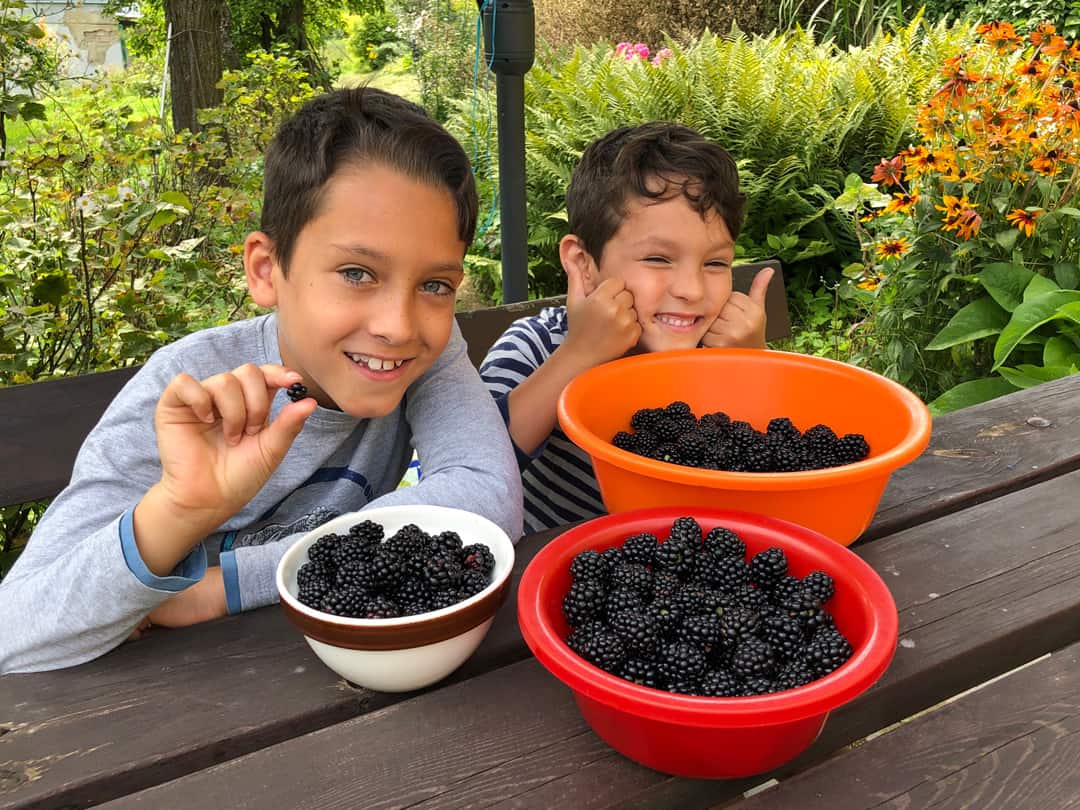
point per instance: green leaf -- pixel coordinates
(1071, 311)
(50, 288)
(970, 393)
(1067, 276)
(981, 318)
(1060, 351)
(1006, 283)
(1069, 212)
(853, 270)
(32, 110)
(1007, 239)
(1038, 286)
(1028, 376)
(1028, 317)
(161, 219)
(177, 198)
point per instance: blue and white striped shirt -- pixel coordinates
(557, 478)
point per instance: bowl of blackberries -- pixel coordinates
(706, 643)
(396, 598)
(797, 437)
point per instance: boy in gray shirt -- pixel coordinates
(202, 472)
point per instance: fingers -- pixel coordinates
(278, 437)
(760, 285)
(575, 284)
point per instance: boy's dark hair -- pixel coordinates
(351, 127)
(628, 161)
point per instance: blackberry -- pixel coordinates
(753, 598)
(354, 574)
(443, 573)
(851, 448)
(676, 558)
(384, 570)
(643, 672)
(701, 631)
(668, 453)
(692, 599)
(311, 593)
(646, 419)
(753, 658)
(296, 391)
(445, 544)
(739, 623)
(478, 557)
(623, 599)
(686, 530)
(640, 548)
(407, 543)
(379, 607)
(680, 662)
(719, 683)
(826, 651)
(411, 590)
(344, 601)
(583, 602)
(693, 447)
(366, 532)
(605, 650)
(812, 619)
(767, 567)
(757, 686)
(665, 614)
(637, 629)
(687, 687)
(625, 441)
(665, 585)
(472, 582)
(730, 574)
(783, 427)
(790, 594)
(350, 549)
(669, 428)
(784, 634)
(678, 409)
(719, 422)
(414, 607)
(820, 440)
(311, 572)
(322, 550)
(443, 599)
(632, 576)
(707, 568)
(613, 555)
(582, 635)
(592, 565)
(758, 456)
(725, 543)
(820, 585)
(793, 674)
(790, 457)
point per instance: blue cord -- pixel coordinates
(486, 226)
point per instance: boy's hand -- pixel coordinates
(217, 450)
(203, 601)
(602, 323)
(741, 323)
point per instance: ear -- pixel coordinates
(577, 262)
(259, 267)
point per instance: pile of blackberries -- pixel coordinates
(715, 442)
(360, 576)
(692, 615)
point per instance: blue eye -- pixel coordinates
(437, 286)
(356, 275)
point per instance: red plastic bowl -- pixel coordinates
(699, 737)
(753, 385)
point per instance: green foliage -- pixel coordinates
(443, 42)
(29, 61)
(1026, 15)
(375, 39)
(797, 116)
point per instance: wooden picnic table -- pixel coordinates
(978, 539)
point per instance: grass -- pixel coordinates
(393, 78)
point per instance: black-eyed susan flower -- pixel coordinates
(1023, 220)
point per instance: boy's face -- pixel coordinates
(368, 303)
(677, 266)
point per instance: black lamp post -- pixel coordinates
(510, 46)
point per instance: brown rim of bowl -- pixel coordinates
(402, 636)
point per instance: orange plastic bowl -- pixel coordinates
(700, 737)
(753, 385)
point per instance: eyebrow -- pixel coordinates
(664, 243)
(371, 253)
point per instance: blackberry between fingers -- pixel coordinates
(296, 391)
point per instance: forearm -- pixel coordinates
(164, 534)
(533, 405)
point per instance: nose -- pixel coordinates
(687, 282)
(392, 318)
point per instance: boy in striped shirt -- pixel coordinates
(654, 211)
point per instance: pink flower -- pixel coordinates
(623, 48)
(642, 50)
(661, 55)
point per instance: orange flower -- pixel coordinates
(953, 205)
(999, 34)
(889, 172)
(920, 160)
(1042, 33)
(969, 224)
(1046, 165)
(1035, 68)
(893, 248)
(903, 204)
(958, 80)
(1024, 221)
(870, 282)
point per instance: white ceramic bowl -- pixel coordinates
(410, 652)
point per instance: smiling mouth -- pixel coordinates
(677, 321)
(375, 363)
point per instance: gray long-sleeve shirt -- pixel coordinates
(80, 587)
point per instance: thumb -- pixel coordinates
(280, 434)
(575, 284)
(760, 285)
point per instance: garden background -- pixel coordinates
(913, 167)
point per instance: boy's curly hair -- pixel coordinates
(657, 161)
(350, 127)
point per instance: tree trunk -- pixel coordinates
(195, 58)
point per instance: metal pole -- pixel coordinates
(510, 46)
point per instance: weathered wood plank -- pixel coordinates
(978, 592)
(981, 452)
(133, 719)
(1014, 743)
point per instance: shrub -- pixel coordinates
(972, 251)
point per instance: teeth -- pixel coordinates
(668, 319)
(375, 363)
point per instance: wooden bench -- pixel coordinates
(43, 424)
